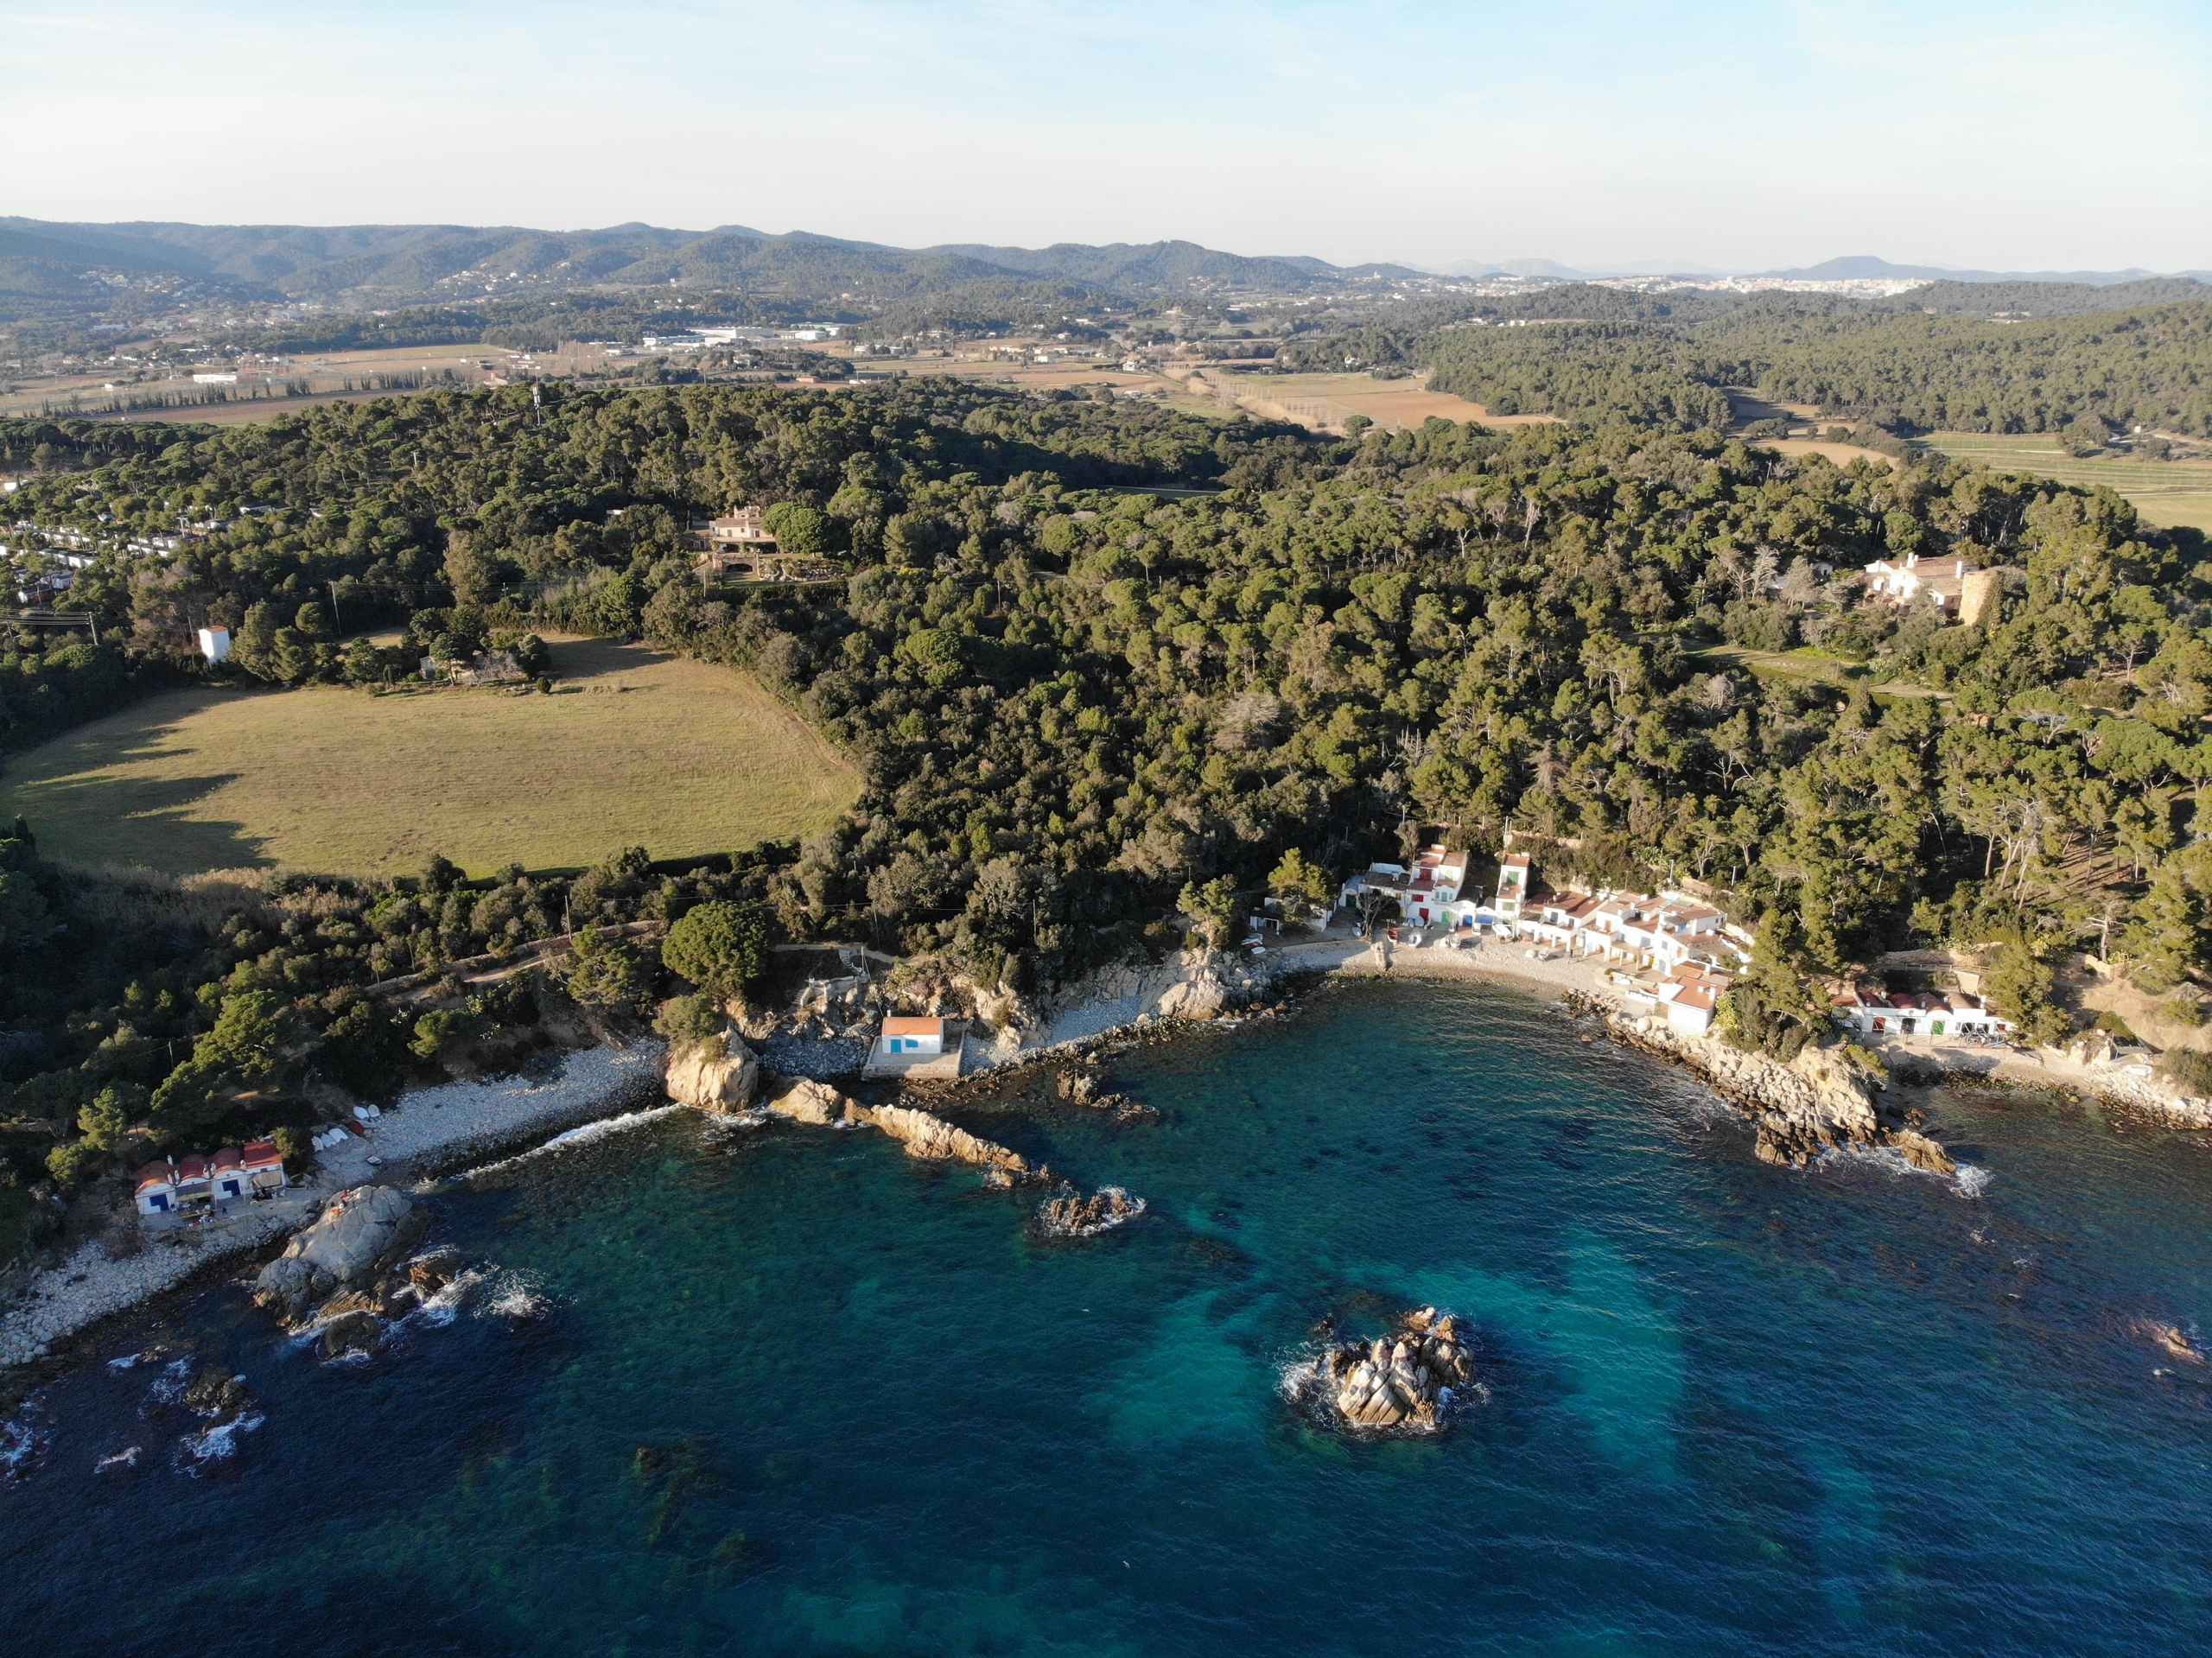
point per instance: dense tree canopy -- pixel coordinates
(1079, 704)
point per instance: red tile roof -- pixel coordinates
(903, 1027)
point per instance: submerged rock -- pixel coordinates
(1075, 1216)
(352, 1332)
(1403, 1382)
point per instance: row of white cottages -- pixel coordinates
(227, 1176)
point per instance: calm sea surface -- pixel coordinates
(797, 1393)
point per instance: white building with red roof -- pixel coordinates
(1438, 878)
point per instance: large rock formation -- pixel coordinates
(925, 1135)
(719, 1075)
(360, 1233)
(922, 1133)
(1405, 1381)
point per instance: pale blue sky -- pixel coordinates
(1746, 136)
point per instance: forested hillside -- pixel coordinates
(1074, 708)
(1636, 360)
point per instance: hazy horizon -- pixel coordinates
(2028, 137)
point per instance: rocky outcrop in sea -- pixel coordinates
(1406, 1382)
(922, 1133)
(1077, 1217)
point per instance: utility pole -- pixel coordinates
(336, 627)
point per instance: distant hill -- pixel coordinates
(1865, 265)
(46, 266)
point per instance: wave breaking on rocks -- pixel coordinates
(1077, 1217)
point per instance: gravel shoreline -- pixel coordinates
(429, 1128)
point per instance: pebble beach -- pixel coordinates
(428, 1127)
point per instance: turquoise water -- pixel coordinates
(1731, 1408)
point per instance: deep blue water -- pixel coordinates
(1732, 1408)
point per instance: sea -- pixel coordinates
(713, 1388)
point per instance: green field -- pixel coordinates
(685, 758)
(2165, 491)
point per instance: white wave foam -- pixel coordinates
(121, 1459)
(1971, 1180)
(514, 1296)
(583, 1135)
(20, 1445)
(169, 1387)
(219, 1442)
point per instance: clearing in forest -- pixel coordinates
(683, 758)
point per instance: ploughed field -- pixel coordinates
(635, 748)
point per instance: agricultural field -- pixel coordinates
(635, 748)
(2165, 491)
(1323, 401)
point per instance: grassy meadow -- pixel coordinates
(683, 758)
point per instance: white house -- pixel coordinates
(1905, 1012)
(1902, 580)
(1512, 884)
(1691, 995)
(157, 1184)
(1424, 892)
(214, 643)
(902, 1036)
(227, 1176)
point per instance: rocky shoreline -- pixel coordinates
(432, 1129)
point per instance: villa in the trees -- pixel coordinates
(1959, 587)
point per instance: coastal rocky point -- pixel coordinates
(1406, 1382)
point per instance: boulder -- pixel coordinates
(356, 1332)
(811, 1102)
(363, 1232)
(289, 1285)
(1920, 1151)
(432, 1271)
(924, 1135)
(715, 1076)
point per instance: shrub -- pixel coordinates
(2189, 1070)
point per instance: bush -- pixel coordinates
(2189, 1070)
(75, 1164)
(692, 1019)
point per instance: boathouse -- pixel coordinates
(917, 1047)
